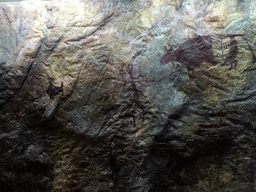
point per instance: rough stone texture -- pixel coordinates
(86, 104)
(24, 161)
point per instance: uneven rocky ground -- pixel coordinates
(128, 95)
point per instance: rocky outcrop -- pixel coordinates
(85, 104)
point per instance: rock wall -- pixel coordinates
(128, 95)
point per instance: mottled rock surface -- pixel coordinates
(128, 95)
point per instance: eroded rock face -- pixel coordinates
(142, 95)
(24, 161)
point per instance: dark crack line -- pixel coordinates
(26, 76)
(105, 22)
(136, 55)
(243, 99)
(57, 43)
(74, 86)
(6, 15)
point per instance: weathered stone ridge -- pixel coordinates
(127, 95)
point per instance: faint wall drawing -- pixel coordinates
(211, 49)
(127, 76)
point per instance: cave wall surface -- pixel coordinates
(128, 95)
